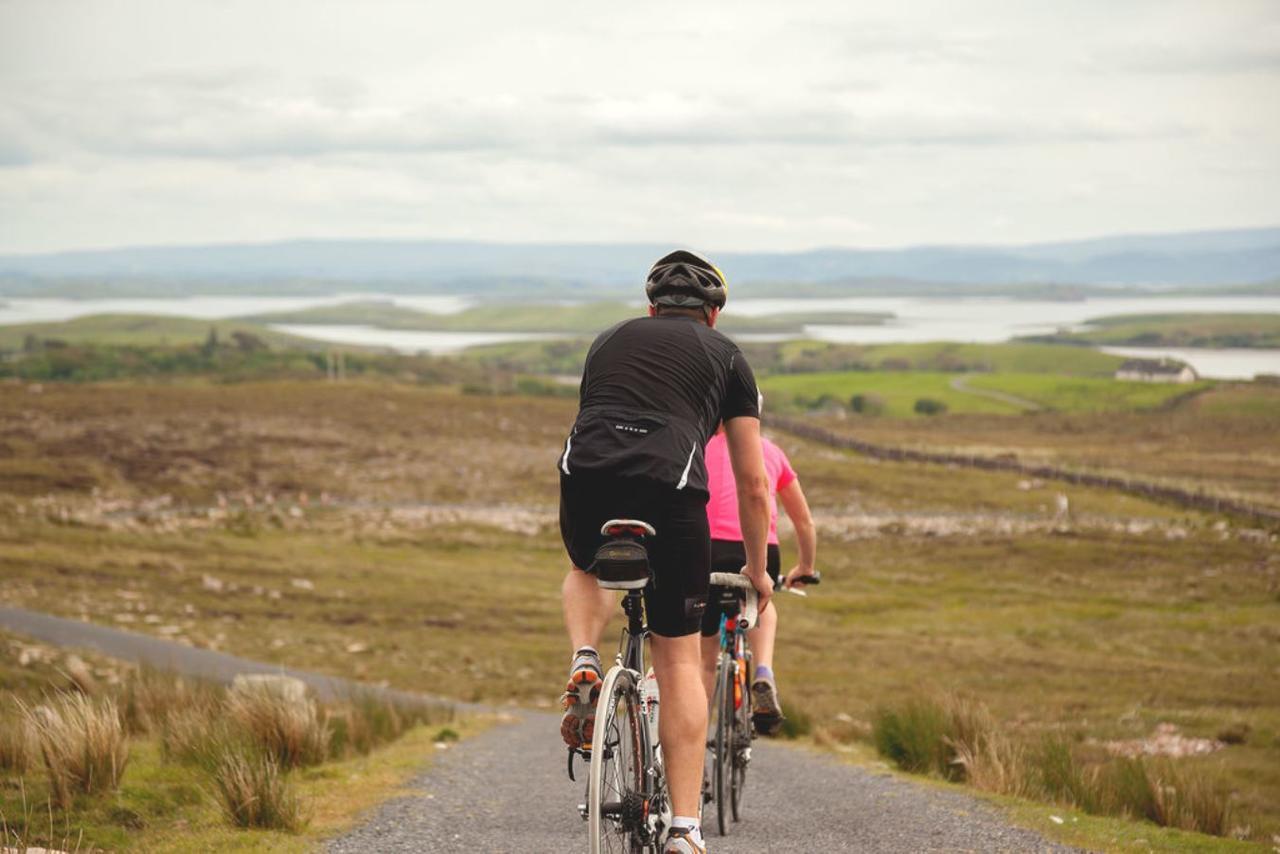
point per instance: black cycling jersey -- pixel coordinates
(653, 391)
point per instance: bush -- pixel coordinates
(867, 404)
(83, 745)
(255, 792)
(929, 406)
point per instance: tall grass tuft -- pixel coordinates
(151, 697)
(1061, 777)
(949, 736)
(285, 724)
(993, 762)
(17, 748)
(196, 735)
(82, 743)
(911, 735)
(256, 792)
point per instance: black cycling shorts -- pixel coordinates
(679, 555)
(731, 556)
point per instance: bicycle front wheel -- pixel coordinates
(722, 762)
(616, 800)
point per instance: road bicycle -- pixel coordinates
(627, 808)
(730, 722)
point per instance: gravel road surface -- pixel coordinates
(506, 790)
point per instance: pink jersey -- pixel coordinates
(722, 509)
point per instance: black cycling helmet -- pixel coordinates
(686, 279)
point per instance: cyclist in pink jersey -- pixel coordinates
(727, 555)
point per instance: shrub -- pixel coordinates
(255, 792)
(929, 406)
(83, 745)
(867, 404)
(282, 721)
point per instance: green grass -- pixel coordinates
(1015, 357)
(1085, 394)
(1179, 330)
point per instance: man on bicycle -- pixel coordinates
(726, 552)
(653, 390)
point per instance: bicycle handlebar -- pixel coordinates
(801, 580)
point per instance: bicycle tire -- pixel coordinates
(615, 785)
(722, 761)
(741, 740)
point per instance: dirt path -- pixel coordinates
(506, 790)
(961, 385)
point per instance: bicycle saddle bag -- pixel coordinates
(621, 564)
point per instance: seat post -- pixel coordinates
(633, 607)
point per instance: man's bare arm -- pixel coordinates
(747, 458)
(797, 507)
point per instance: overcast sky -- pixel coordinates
(723, 125)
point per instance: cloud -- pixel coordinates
(240, 115)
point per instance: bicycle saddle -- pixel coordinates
(734, 587)
(622, 563)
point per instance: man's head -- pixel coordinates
(683, 282)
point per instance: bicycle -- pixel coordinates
(626, 808)
(731, 728)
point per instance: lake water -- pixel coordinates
(916, 319)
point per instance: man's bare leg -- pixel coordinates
(587, 608)
(682, 726)
(710, 655)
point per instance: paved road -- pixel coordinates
(506, 789)
(199, 663)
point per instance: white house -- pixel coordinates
(1157, 371)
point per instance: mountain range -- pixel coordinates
(1227, 257)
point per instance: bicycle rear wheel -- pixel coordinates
(722, 759)
(616, 799)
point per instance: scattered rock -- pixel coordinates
(208, 582)
(1165, 741)
(287, 687)
(357, 647)
(303, 584)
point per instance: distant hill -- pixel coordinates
(1235, 257)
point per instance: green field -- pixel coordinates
(1085, 394)
(898, 389)
(141, 330)
(1179, 330)
(963, 393)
